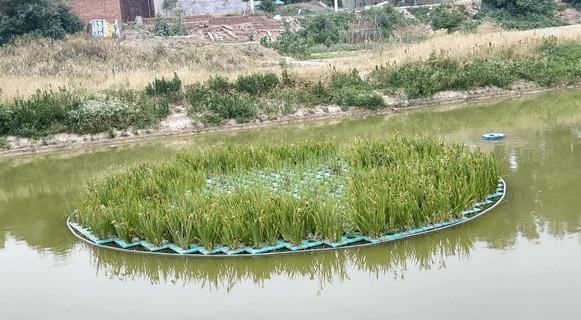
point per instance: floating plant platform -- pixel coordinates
(283, 247)
(265, 199)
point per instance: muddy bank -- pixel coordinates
(179, 125)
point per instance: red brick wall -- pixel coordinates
(88, 10)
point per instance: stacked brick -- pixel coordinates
(88, 10)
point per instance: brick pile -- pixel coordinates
(236, 28)
(89, 10)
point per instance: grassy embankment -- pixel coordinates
(81, 67)
(255, 195)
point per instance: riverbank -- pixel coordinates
(178, 124)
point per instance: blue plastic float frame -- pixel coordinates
(85, 235)
(493, 136)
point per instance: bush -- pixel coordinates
(444, 19)
(164, 87)
(178, 27)
(4, 144)
(323, 26)
(35, 116)
(42, 18)
(256, 83)
(348, 89)
(268, 6)
(289, 43)
(232, 107)
(522, 14)
(161, 27)
(420, 13)
(350, 96)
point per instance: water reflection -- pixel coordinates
(323, 267)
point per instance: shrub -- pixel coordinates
(161, 27)
(444, 19)
(218, 84)
(4, 144)
(232, 107)
(178, 27)
(98, 116)
(35, 116)
(43, 18)
(289, 43)
(522, 14)
(256, 83)
(420, 13)
(164, 87)
(323, 26)
(268, 6)
(350, 96)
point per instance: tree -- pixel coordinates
(444, 19)
(523, 7)
(42, 18)
(268, 5)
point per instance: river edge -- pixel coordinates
(179, 125)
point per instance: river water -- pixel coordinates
(522, 260)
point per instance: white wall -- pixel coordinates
(191, 7)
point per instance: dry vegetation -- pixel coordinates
(81, 62)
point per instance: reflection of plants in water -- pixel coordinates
(324, 267)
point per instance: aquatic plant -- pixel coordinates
(238, 196)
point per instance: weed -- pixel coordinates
(4, 144)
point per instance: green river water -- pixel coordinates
(520, 261)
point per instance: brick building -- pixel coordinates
(111, 10)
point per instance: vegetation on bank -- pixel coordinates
(262, 96)
(64, 111)
(255, 195)
(551, 64)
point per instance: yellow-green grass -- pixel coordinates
(74, 62)
(255, 195)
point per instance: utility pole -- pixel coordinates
(252, 6)
(336, 5)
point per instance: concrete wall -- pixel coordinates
(88, 10)
(192, 7)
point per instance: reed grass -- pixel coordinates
(256, 195)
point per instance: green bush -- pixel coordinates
(164, 87)
(268, 6)
(63, 111)
(552, 64)
(348, 89)
(4, 144)
(420, 13)
(522, 14)
(289, 43)
(163, 29)
(241, 109)
(444, 19)
(42, 18)
(323, 26)
(351, 96)
(218, 84)
(256, 83)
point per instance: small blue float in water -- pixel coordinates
(493, 136)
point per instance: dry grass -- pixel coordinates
(83, 62)
(94, 64)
